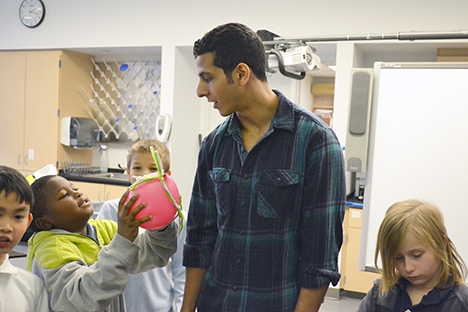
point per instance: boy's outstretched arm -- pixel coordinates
(155, 247)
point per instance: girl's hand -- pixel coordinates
(127, 225)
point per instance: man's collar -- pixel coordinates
(283, 118)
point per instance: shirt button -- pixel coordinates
(238, 261)
(234, 288)
(246, 176)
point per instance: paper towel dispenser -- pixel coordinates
(79, 132)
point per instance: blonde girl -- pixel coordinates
(421, 269)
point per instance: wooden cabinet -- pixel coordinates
(12, 86)
(452, 54)
(114, 191)
(322, 100)
(36, 90)
(29, 120)
(100, 192)
(352, 279)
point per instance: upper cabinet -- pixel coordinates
(37, 89)
(12, 86)
(323, 91)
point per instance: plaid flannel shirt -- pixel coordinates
(267, 222)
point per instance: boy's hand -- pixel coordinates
(127, 225)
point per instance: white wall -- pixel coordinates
(109, 23)
(184, 142)
(141, 23)
(176, 24)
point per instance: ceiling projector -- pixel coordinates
(301, 59)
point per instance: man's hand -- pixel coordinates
(127, 225)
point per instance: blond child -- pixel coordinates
(20, 290)
(421, 269)
(84, 262)
(155, 290)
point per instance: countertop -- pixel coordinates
(354, 205)
(113, 178)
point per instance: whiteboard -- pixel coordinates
(418, 147)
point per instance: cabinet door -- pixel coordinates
(356, 280)
(94, 191)
(352, 278)
(12, 85)
(41, 109)
(114, 191)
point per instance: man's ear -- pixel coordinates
(242, 73)
(43, 223)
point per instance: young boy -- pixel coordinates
(152, 290)
(84, 262)
(19, 290)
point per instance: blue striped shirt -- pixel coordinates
(267, 222)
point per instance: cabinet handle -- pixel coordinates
(19, 159)
(107, 196)
(25, 159)
(99, 195)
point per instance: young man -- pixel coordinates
(155, 290)
(20, 290)
(265, 219)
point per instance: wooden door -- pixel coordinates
(74, 76)
(41, 109)
(352, 278)
(12, 85)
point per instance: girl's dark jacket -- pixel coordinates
(457, 300)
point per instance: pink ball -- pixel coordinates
(158, 203)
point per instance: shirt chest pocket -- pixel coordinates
(277, 190)
(222, 188)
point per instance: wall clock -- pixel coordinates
(32, 13)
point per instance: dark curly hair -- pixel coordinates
(234, 43)
(39, 209)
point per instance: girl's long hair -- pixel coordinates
(426, 222)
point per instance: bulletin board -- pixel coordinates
(418, 147)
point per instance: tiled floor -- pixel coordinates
(347, 303)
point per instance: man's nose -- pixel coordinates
(201, 89)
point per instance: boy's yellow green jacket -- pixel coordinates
(68, 247)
